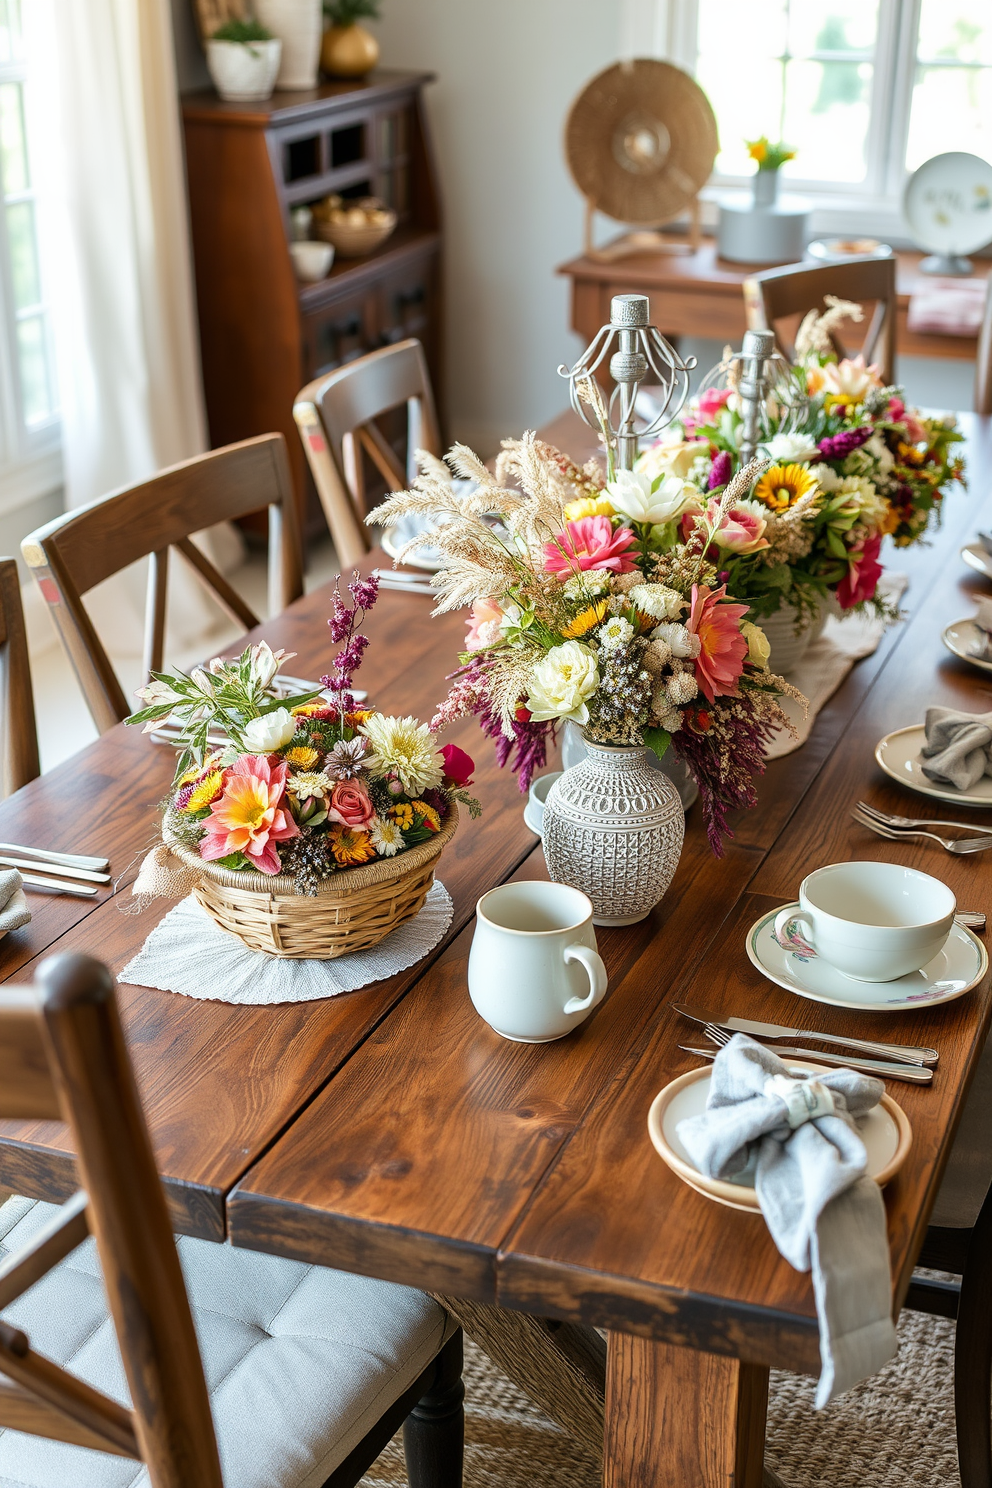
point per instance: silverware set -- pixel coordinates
(896, 828)
(72, 873)
(895, 1062)
(405, 583)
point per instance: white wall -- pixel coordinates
(507, 71)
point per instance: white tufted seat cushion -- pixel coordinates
(300, 1361)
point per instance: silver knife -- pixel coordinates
(85, 874)
(913, 1074)
(906, 1052)
(59, 886)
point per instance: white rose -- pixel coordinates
(786, 449)
(566, 677)
(272, 731)
(671, 457)
(657, 600)
(758, 649)
(632, 496)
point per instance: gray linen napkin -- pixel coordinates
(13, 911)
(821, 1209)
(982, 649)
(957, 747)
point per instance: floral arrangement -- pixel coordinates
(848, 464)
(307, 786)
(769, 157)
(589, 603)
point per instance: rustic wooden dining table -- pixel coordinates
(391, 1132)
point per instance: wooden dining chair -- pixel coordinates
(212, 1366)
(983, 359)
(959, 1241)
(336, 417)
(791, 292)
(77, 551)
(18, 732)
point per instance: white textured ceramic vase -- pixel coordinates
(299, 24)
(789, 646)
(613, 827)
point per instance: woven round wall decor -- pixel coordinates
(641, 140)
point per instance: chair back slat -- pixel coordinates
(79, 550)
(336, 415)
(19, 760)
(983, 357)
(782, 294)
(76, 1050)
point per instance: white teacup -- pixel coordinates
(534, 972)
(873, 921)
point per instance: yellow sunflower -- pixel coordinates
(589, 506)
(207, 791)
(783, 485)
(585, 621)
(350, 848)
(301, 758)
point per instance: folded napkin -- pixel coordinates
(957, 748)
(947, 307)
(13, 911)
(982, 649)
(821, 1209)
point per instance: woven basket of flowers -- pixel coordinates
(315, 829)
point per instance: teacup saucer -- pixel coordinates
(961, 637)
(794, 965)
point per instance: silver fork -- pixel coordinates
(961, 846)
(913, 1074)
(917, 821)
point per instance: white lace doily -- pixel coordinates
(188, 953)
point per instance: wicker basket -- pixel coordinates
(352, 911)
(354, 241)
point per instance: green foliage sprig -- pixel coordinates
(243, 31)
(347, 12)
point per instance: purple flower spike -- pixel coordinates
(838, 446)
(365, 592)
(720, 471)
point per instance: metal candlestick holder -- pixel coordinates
(640, 347)
(759, 374)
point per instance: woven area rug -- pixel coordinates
(894, 1431)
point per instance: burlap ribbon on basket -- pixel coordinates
(163, 875)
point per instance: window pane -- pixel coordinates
(32, 352)
(960, 30)
(827, 107)
(952, 110)
(720, 29)
(747, 102)
(10, 30)
(838, 27)
(13, 155)
(23, 255)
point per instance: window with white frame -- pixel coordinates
(29, 423)
(863, 90)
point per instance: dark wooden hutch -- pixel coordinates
(264, 334)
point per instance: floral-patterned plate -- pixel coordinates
(790, 963)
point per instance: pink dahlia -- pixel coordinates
(863, 574)
(723, 647)
(590, 543)
(248, 818)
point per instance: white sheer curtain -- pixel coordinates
(115, 238)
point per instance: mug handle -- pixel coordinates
(596, 971)
(787, 915)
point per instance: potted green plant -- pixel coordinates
(243, 59)
(348, 50)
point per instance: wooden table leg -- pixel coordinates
(676, 1417)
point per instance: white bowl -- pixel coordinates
(312, 261)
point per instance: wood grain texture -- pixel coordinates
(18, 736)
(654, 1441)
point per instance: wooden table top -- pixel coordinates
(390, 1131)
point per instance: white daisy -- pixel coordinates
(386, 837)
(615, 633)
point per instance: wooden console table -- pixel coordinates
(699, 294)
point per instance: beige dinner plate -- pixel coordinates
(961, 637)
(899, 756)
(885, 1131)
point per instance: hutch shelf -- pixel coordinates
(264, 334)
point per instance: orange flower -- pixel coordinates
(350, 848)
(723, 647)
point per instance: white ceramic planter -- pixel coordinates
(788, 647)
(244, 71)
(299, 24)
(613, 827)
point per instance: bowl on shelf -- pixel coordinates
(354, 227)
(312, 261)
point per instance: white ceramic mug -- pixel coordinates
(534, 972)
(873, 921)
